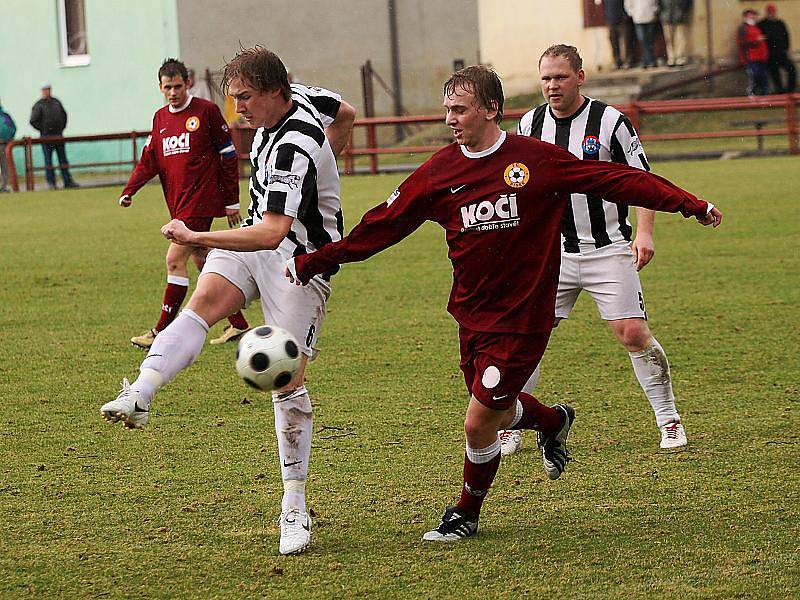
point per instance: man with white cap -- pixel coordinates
(49, 118)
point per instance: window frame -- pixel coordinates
(67, 59)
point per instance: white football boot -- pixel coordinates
(295, 531)
(673, 436)
(510, 441)
(127, 407)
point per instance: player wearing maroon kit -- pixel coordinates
(191, 151)
(500, 199)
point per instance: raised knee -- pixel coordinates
(635, 335)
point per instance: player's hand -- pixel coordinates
(291, 272)
(643, 250)
(125, 201)
(713, 218)
(234, 218)
(176, 231)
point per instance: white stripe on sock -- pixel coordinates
(480, 456)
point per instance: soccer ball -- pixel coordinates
(267, 358)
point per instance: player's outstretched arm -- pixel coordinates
(266, 235)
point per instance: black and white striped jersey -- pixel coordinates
(595, 132)
(294, 173)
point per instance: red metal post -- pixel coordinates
(28, 164)
(12, 168)
(372, 144)
(791, 122)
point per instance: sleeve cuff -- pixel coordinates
(233, 206)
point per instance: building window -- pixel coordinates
(72, 30)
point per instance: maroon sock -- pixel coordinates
(237, 320)
(173, 298)
(478, 479)
(536, 415)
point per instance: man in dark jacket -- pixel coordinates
(676, 18)
(49, 118)
(778, 42)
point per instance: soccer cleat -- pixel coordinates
(555, 455)
(673, 436)
(295, 531)
(145, 340)
(126, 408)
(229, 334)
(510, 441)
(454, 526)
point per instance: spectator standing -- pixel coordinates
(49, 118)
(620, 29)
(753, 53)
(198, 90)
(645, 19)
(676, 17)
(8, 129)
(778, 44)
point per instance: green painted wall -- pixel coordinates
(116, 91)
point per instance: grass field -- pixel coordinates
(187, 508)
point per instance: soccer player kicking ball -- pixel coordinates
(191, 151)
(597, 252)
(500, 199)
(294, 209)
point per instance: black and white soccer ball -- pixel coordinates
(267, 358)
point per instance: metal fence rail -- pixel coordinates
(242, 137)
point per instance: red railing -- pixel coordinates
(242, 137)
(30, 169)
(634, 109)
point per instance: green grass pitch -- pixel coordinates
(188, 508)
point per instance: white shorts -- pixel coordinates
(300, 310)
(609, 275)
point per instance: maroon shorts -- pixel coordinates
(198, 223)
(497, 365)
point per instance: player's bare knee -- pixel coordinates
(633, 334)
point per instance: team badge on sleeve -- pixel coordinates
(517, 175)
(192, 123)
(591, 145)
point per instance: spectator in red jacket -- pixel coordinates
(753, 53)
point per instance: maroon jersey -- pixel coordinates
(192, 153)
(501, 210)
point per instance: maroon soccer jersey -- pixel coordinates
(501, 210)
(192, 153)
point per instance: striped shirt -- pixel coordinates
(595, 132)
(294, 173)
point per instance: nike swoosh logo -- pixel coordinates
(297, 462)
(455, 190)
(499, 397)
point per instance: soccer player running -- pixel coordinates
(597, 254)
(500, 199)
(295, 209)
(191, 151)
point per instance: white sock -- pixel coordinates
(530, 385)
(294, 495)
(479, 456)
(174, 349)
(518, 411)
(652, 370)
(293, 427)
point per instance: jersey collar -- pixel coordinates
(182, 106)
(565, 120)
(488, 151)
(283, 119)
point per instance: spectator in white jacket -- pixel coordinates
(645, 18)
